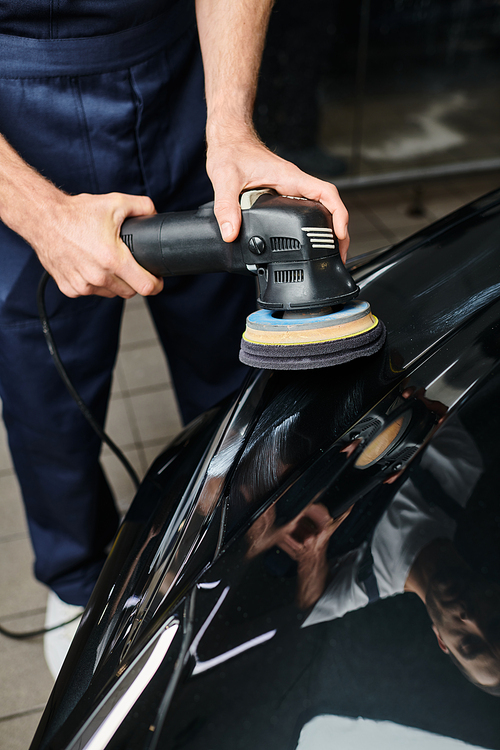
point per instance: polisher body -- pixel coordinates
(289, 245)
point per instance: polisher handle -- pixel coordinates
(180, 243)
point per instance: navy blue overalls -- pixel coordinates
(100, 96)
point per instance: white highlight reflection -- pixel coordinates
(118, 713)
(202, 666)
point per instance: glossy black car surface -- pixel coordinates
(316, 562)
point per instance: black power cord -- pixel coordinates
(47, 332)
(21, 636)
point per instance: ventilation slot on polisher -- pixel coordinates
(128, 239)
(278, 244)
(294, 276)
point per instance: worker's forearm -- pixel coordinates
(24, 193)
(232, 35)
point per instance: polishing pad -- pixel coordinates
(307, 341)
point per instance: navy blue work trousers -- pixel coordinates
(121, 113)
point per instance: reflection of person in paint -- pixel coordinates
(305, 539)
(465, 611)
(412, 551)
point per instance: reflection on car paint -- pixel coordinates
(328, 540)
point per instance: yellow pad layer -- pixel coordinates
(283, 336)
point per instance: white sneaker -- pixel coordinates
(56, 643)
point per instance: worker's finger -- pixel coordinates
(344, 247)
(287, 179)
(227, 208)
(128, 277)
(130, 205)
(323, 192)
(118, 271)
(111, 286)
(124, 278)
(254, 166)
(132, 276)
(327, 194)
(104, 293)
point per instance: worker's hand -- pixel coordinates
(78, 242)
(238, 162)
(76, 237)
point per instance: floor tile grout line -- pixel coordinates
(148, 443)
(130, 346)
(23, 614)
(126, 395)
(142, 390)
(21, 714)
(13, 537)
(134, 428)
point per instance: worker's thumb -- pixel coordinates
(228, 214)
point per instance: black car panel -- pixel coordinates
(262, 535)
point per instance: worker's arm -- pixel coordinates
(76, 237)
(232, 35)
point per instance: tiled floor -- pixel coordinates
(142, 417)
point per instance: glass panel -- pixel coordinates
(373, 87)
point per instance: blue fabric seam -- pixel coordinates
(138, 108)
(77, 94)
